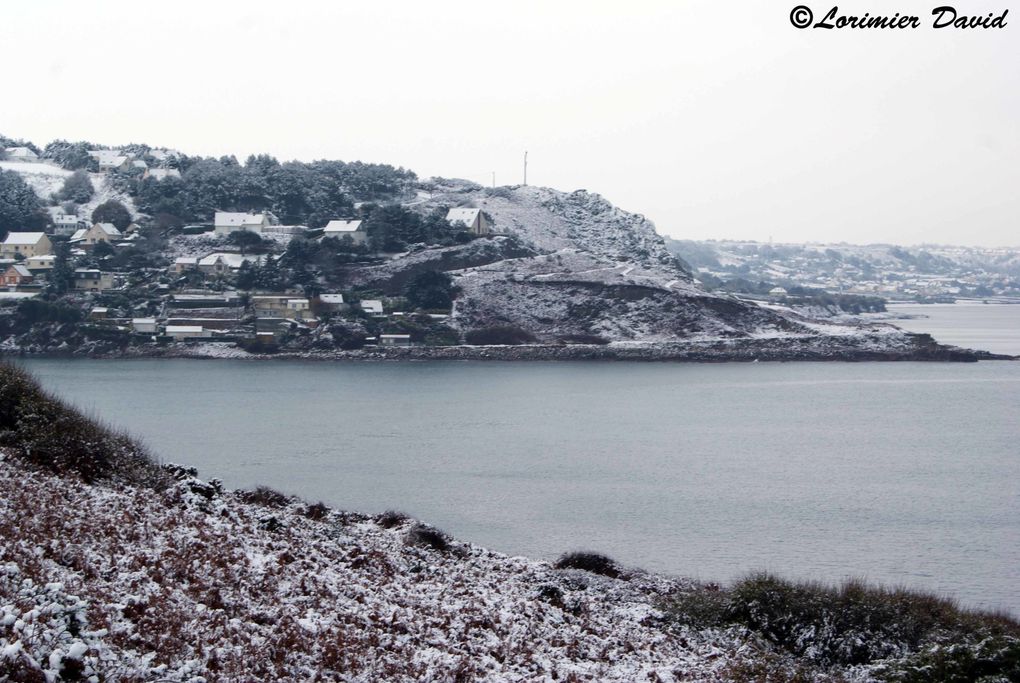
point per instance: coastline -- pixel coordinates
(831, 348)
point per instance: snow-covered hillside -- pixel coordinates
(46, 180)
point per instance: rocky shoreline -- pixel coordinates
(846, 348)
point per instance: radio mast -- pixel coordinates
(525, 167)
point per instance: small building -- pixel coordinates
(777, 292)
(299, 308)
(67, 224)
(162, 173)
(340, 229)
(111, 159)
(144, 325)
(22, 154)
(26, 244)
(183, 264)
(372, 307)
(471, 220)
(331, 302)
(181, 332)
(99, 232)
(17, 275)
(395, 339)
(221, 263)
(41, 263)
(92, 280)
(99, 313)
(227, 222)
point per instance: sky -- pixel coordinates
(716, 120)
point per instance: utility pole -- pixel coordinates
(525, 167)
(494, 179)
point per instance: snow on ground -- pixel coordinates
(47, 179)
(196, 584)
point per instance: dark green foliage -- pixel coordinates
(20, 209)
(102, 250)
(431, 289)
(77, 188)
(41, 430)
(498, 335)
(33, 311)
(316, 511)
(584, 339)
(992, 659)
(72, 155)
(392, 228)
(424, 536)
(112, 211)
(595, 563)
(61, 277)
(249, 242)
(857, 624)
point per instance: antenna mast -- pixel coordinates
(525, 167)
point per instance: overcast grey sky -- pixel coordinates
(714, 119)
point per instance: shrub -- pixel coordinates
(499, 335)
(44, 431)
(584, 339)
(589, 562)
(316, 511)
(855, 624)
(391, 519)
(424, 536)
(265, 496)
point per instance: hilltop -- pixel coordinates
(201, 256)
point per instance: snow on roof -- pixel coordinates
(371, 305)
(231, 260)
(79, 234)
(465, 216)
(142, 321)
(21, 270)
(105, 156)
(394, 336)
(171, 329)
(108, 228)
(234, 219)
(342, 226)
(66, 219)
(42, 257)
(186, 260)
(21, 153)
(29, 238)
(331, 298)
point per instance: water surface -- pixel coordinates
(897, 472)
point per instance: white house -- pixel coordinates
(372, 306)
(395, 339)
(777, 291)
(340, 229)
(223, 263)
(110, 159)
(179, 332)
(227, 222)
(92, 279)
(144, 325)
(26, 244)
(472, 220)
(44, 262)
(66, 224)
(22, 154)
(184, 263)
(99, 232)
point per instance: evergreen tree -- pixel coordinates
(77, 188)
(112, 211)
(20, 209)
(61, 277)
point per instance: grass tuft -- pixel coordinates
(590, 562)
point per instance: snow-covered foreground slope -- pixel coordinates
(47, 179)
(193, 584)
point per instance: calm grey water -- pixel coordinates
(898, 472)
(988, 327)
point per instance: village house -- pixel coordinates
(41, 263)
(331, 302)
(340, 229)
(22, 154)
(92, 280)
(111, 159)
(17, 275)
(472, 220)
(395, 339)
(777, 292)
(220, 263)
(226, 222)
(99, 313)
(183, 264)
(144, 325)
(373, 307)
(99, 232)
(181, 332)
(281, 306)
(26, 244)
(67, 224)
